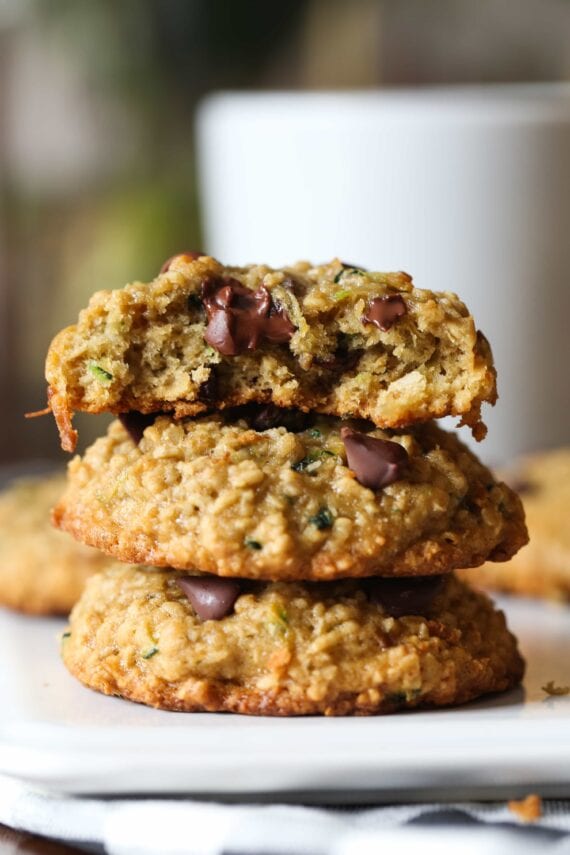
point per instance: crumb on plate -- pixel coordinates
(552, 689)
(528, 809)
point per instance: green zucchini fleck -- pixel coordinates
(350, 270)
(148, 654)
(279, 623)
(100, 373)
(312, 461)
(322, 519)
(252, 544)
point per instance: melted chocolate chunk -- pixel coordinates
(211, 598)
(135, 423)
(375, 462)
(270, 416)
(383, 312)
(405, 596)
(190, 256)
(239, 318)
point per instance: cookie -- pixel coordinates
(42, 570)
(288, 649)
(542, 568)
(315, 500)
(332, 338)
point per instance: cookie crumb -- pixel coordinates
(557, 691)
(528, 809)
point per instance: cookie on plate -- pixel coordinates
(332, 338)
(344, 648)
(281, 496)
(542, 568)
(42, 570)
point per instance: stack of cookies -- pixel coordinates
(287, 511)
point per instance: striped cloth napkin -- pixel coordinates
(147, 826)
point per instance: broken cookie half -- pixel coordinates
(332, 338)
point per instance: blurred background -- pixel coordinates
(98, 174)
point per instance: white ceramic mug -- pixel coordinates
(467, 189)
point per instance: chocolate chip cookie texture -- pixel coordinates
(542, 568)
(297, 648)
(42, 571)
(275, 454)
(324, 501)
(331, 338)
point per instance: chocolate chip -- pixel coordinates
(195, 303)
(362, 425)
(135, 423)
(189, 256)
(405, 596)
(211, 598)
(270, 416)
(264, 418)
(239, 318)
(343, 360)
(383, 312)
(375, 462)
(208, 390)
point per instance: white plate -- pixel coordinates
(55, 733)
